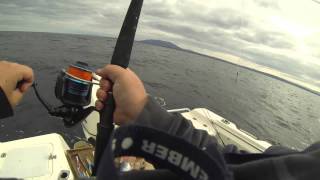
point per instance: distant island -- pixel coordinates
(170, 45)
(161, 43)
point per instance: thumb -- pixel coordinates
(119, 118)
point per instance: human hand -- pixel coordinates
(127, 89)
(11, 75)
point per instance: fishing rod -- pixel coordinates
(121, 57)
(74, 86)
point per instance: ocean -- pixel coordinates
(269, 108)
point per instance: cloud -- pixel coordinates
(267, 3)
(240, 28)
(65, 16)
(267, 38)
(227, 19)
(157, 10)
(50, 9)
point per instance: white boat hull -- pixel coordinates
(44, 157)
(36, 158)
(203, 119)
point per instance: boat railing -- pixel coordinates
(181, 110)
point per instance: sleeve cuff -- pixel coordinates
(5, 107)
(152, 114)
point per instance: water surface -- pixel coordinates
(266, 107)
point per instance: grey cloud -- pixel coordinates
(158, 10)
(223, 18)
(106, 25)
(219, 17)
(221, 29)
(222, 36)
(52, 9)
(268, 38)
(44, 14)
(217, 20)
(227, 19)
(214, 36)
(267, 3)
(212, 40)
(213, 28)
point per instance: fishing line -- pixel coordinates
(45, 104)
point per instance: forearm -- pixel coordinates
(158, 118)
(5, 107)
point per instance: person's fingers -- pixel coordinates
(99, 105)
(101, 94)
(25, 73)
(16, 97)
(105, 85)
(18, 75)
(25, 87)
(111, 72)
(28, 75)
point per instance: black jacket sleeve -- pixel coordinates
(5, 107)
(156, 117)
(299, 166)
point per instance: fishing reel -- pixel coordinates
(73, 88)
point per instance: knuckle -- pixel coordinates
(29, 69)
(104, 84)
(100, 94)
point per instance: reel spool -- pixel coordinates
(74, 86)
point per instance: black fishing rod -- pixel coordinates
(74, 86)
(121, 57)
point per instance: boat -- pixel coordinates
(46, 157)
(224, 130)
(49, 157)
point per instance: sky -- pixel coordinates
(280, 34)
